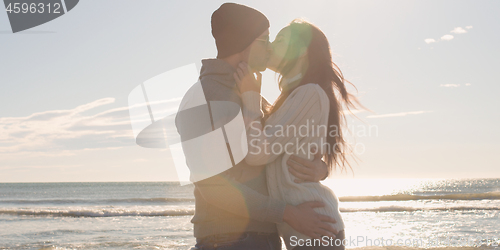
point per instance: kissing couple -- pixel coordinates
(273, 195)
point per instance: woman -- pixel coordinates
(308, 82)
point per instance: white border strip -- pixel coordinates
(64, 6)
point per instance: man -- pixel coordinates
(233, 208)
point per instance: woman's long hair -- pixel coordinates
(320, 69)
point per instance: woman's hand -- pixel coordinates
(246, 80)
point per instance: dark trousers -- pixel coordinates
(241, 241)
(337, 244)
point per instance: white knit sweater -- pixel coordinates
(273, 142)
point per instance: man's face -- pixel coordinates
(259, 52)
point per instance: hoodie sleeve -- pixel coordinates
(225, 193)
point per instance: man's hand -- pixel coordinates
(306, 170)
(305, 220)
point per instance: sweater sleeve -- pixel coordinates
(225, 193)
(300, 108)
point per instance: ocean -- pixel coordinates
(419, 213)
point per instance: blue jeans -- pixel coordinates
(242, 241)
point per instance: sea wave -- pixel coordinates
(96, 212)
(410, 197)
(117, 212)
(139, 245)
(168, 200)
(412, 209)
(97, 201)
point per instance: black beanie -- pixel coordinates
(235, 27)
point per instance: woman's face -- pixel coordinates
(280, 46)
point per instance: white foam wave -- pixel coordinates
(100, 212)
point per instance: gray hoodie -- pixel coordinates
(224, 205)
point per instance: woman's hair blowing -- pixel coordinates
(320, 69)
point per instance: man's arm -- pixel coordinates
(306, 170)
(227, 194)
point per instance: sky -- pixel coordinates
(425, 69)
